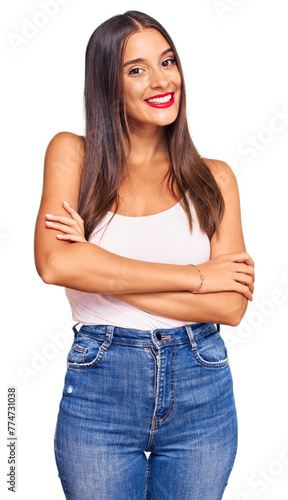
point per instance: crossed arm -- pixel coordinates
(63, 256)
(224, 307)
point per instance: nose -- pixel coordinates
(158, 79)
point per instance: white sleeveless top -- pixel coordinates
(163, 238)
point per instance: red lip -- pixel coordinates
(163, 105)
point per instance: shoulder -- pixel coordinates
(223, 174)
(66, 148)
(67, 138)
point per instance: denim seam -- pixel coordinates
(151, 433)
(210, 364)
(102, 349)
(172, 404)
(60, 471)
(151, 345)
(79, 348)
(147, 478)
(205, 334)
(148, 345)
(232, 462)
(155, 370)
(132, 344)
(93, 336)
(152, 427)
(91, 364)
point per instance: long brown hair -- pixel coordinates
(107, 132)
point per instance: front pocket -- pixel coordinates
(86, 351)
(211, 351)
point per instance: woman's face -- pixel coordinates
(151, 79)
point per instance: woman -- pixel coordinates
(147, 221)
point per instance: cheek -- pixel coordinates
(178, 80)
(134, 101)
(131, 104)
(134, 90)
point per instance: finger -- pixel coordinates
(248, 260)
(243, 257)
(240, 257)
(72, 212)
(67, 221)
(245, 280)
(62, 219)
(62, 227)
(71, 237)
(245, 291)
(245, 269)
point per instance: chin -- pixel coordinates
(165, 121)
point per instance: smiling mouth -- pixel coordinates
(161, 100)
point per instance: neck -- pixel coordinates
(147, 143)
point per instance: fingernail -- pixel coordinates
(49, 215)
(66, 203)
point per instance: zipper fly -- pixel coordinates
(156, 355)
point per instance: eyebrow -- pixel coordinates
(141, 60)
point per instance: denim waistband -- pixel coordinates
(160, 336)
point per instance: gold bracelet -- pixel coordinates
(202, 277)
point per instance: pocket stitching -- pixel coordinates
(212, 364)
(93, 362)
(80, 349)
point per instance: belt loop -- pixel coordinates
(191, 337)
(75, 329)
(218, 327)
(109, 337)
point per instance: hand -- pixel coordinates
(231, 272)
(72, 227)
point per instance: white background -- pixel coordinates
(234, 55)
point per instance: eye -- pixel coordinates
(169, 62)
(135, 71)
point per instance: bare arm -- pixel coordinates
(220, 307)
(89, 268)
(85, 266)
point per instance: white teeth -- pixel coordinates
(160, 100)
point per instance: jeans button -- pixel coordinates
(158, 336)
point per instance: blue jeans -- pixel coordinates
(126, 391)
